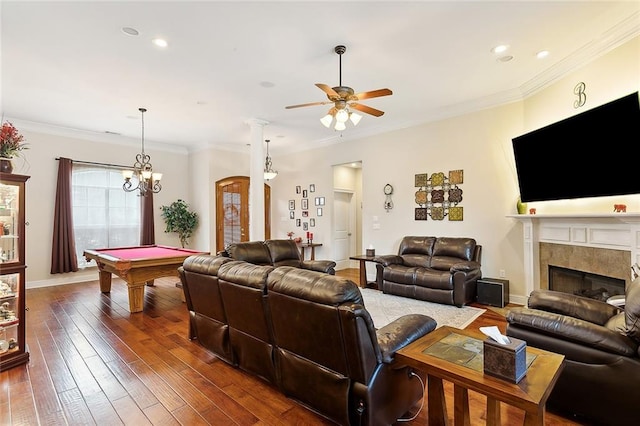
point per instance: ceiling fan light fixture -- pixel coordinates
(326, 120)
(342, 116)
(355, 118)
(340, 126)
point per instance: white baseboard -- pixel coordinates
(70, 278)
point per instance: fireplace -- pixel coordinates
(583, 283)
(605, 244)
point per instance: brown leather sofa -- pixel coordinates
(441, 270)
(601, 374)
(276, 253)
(307, 333)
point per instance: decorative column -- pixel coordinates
(256, 175)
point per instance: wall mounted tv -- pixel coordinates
(592, 154)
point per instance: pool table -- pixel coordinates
(137, 266)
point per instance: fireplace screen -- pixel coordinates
(584, 283)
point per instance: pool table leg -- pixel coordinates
(105, 281)
(136, 297)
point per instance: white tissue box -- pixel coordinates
(508, 361)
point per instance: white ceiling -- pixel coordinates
(69, 65)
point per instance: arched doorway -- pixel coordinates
(232, 211)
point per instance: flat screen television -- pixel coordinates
(592, 154)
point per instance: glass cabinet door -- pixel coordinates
(9, 312)
(11, 227)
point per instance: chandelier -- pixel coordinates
(269, 173)
(148, 181)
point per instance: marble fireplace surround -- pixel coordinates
(604, 244)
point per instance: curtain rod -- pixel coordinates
(98, 164)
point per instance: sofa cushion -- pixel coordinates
(283, 252)
(632, 310)
(417, 245)
(431, 278)
(251, 251)
(444, 263)
(420, 260)
(400, 274)
(461, 248)
(314, 286)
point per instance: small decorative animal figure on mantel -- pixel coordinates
(620, 208)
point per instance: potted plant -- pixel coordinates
(179, 219)
(11, 144)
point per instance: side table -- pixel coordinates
(312, 246)
(363, 270)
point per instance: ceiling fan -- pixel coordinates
(344, 99)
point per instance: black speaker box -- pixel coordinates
(493, 291)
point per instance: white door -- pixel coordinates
(343, 226)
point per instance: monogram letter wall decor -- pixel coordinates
(438, 196)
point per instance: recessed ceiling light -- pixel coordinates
(505, 58)
(130, 31)
(160, 42)
(542, 54)
(267, 84)
(500, 48)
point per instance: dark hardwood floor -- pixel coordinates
(92, 362)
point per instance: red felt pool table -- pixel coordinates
(137, 266)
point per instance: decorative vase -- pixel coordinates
(522, 207)
(6, 166)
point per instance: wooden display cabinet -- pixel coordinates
(13, 347)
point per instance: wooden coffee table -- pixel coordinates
(530, 394)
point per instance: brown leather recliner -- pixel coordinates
(442, 270)
(276, 253)
(207, 317)
(309, 334)
(599, 381)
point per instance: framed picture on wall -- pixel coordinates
(321, 201)
(298, 189)
(319, 211)
(317, 200)
(312, 188)
(305, 226)
(298, 221)
(312, 222)
(292, 214)
(305, 204)
(305, 213)
(304, 193)
(292, 204)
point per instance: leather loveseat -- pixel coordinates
(307, 333)
(276, 253)
(601, 374)
(442, 270)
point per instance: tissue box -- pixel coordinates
(371, 252)
(508, 361)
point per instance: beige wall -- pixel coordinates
(478, 143)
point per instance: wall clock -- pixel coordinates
(388, 203)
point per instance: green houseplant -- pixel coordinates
(179, 219)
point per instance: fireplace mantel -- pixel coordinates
(617, 231)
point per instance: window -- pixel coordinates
(104, 215)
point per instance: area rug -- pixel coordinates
(384, 308)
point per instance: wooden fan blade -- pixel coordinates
(367, 109)
(309, 104)
(373, 94)
(328, 90)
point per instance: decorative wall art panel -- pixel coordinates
(438, 196)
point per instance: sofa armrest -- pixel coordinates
(399, 333)
(565, 327)
(584, 308)
(388, 259)
(326, 266)
(465, 266)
